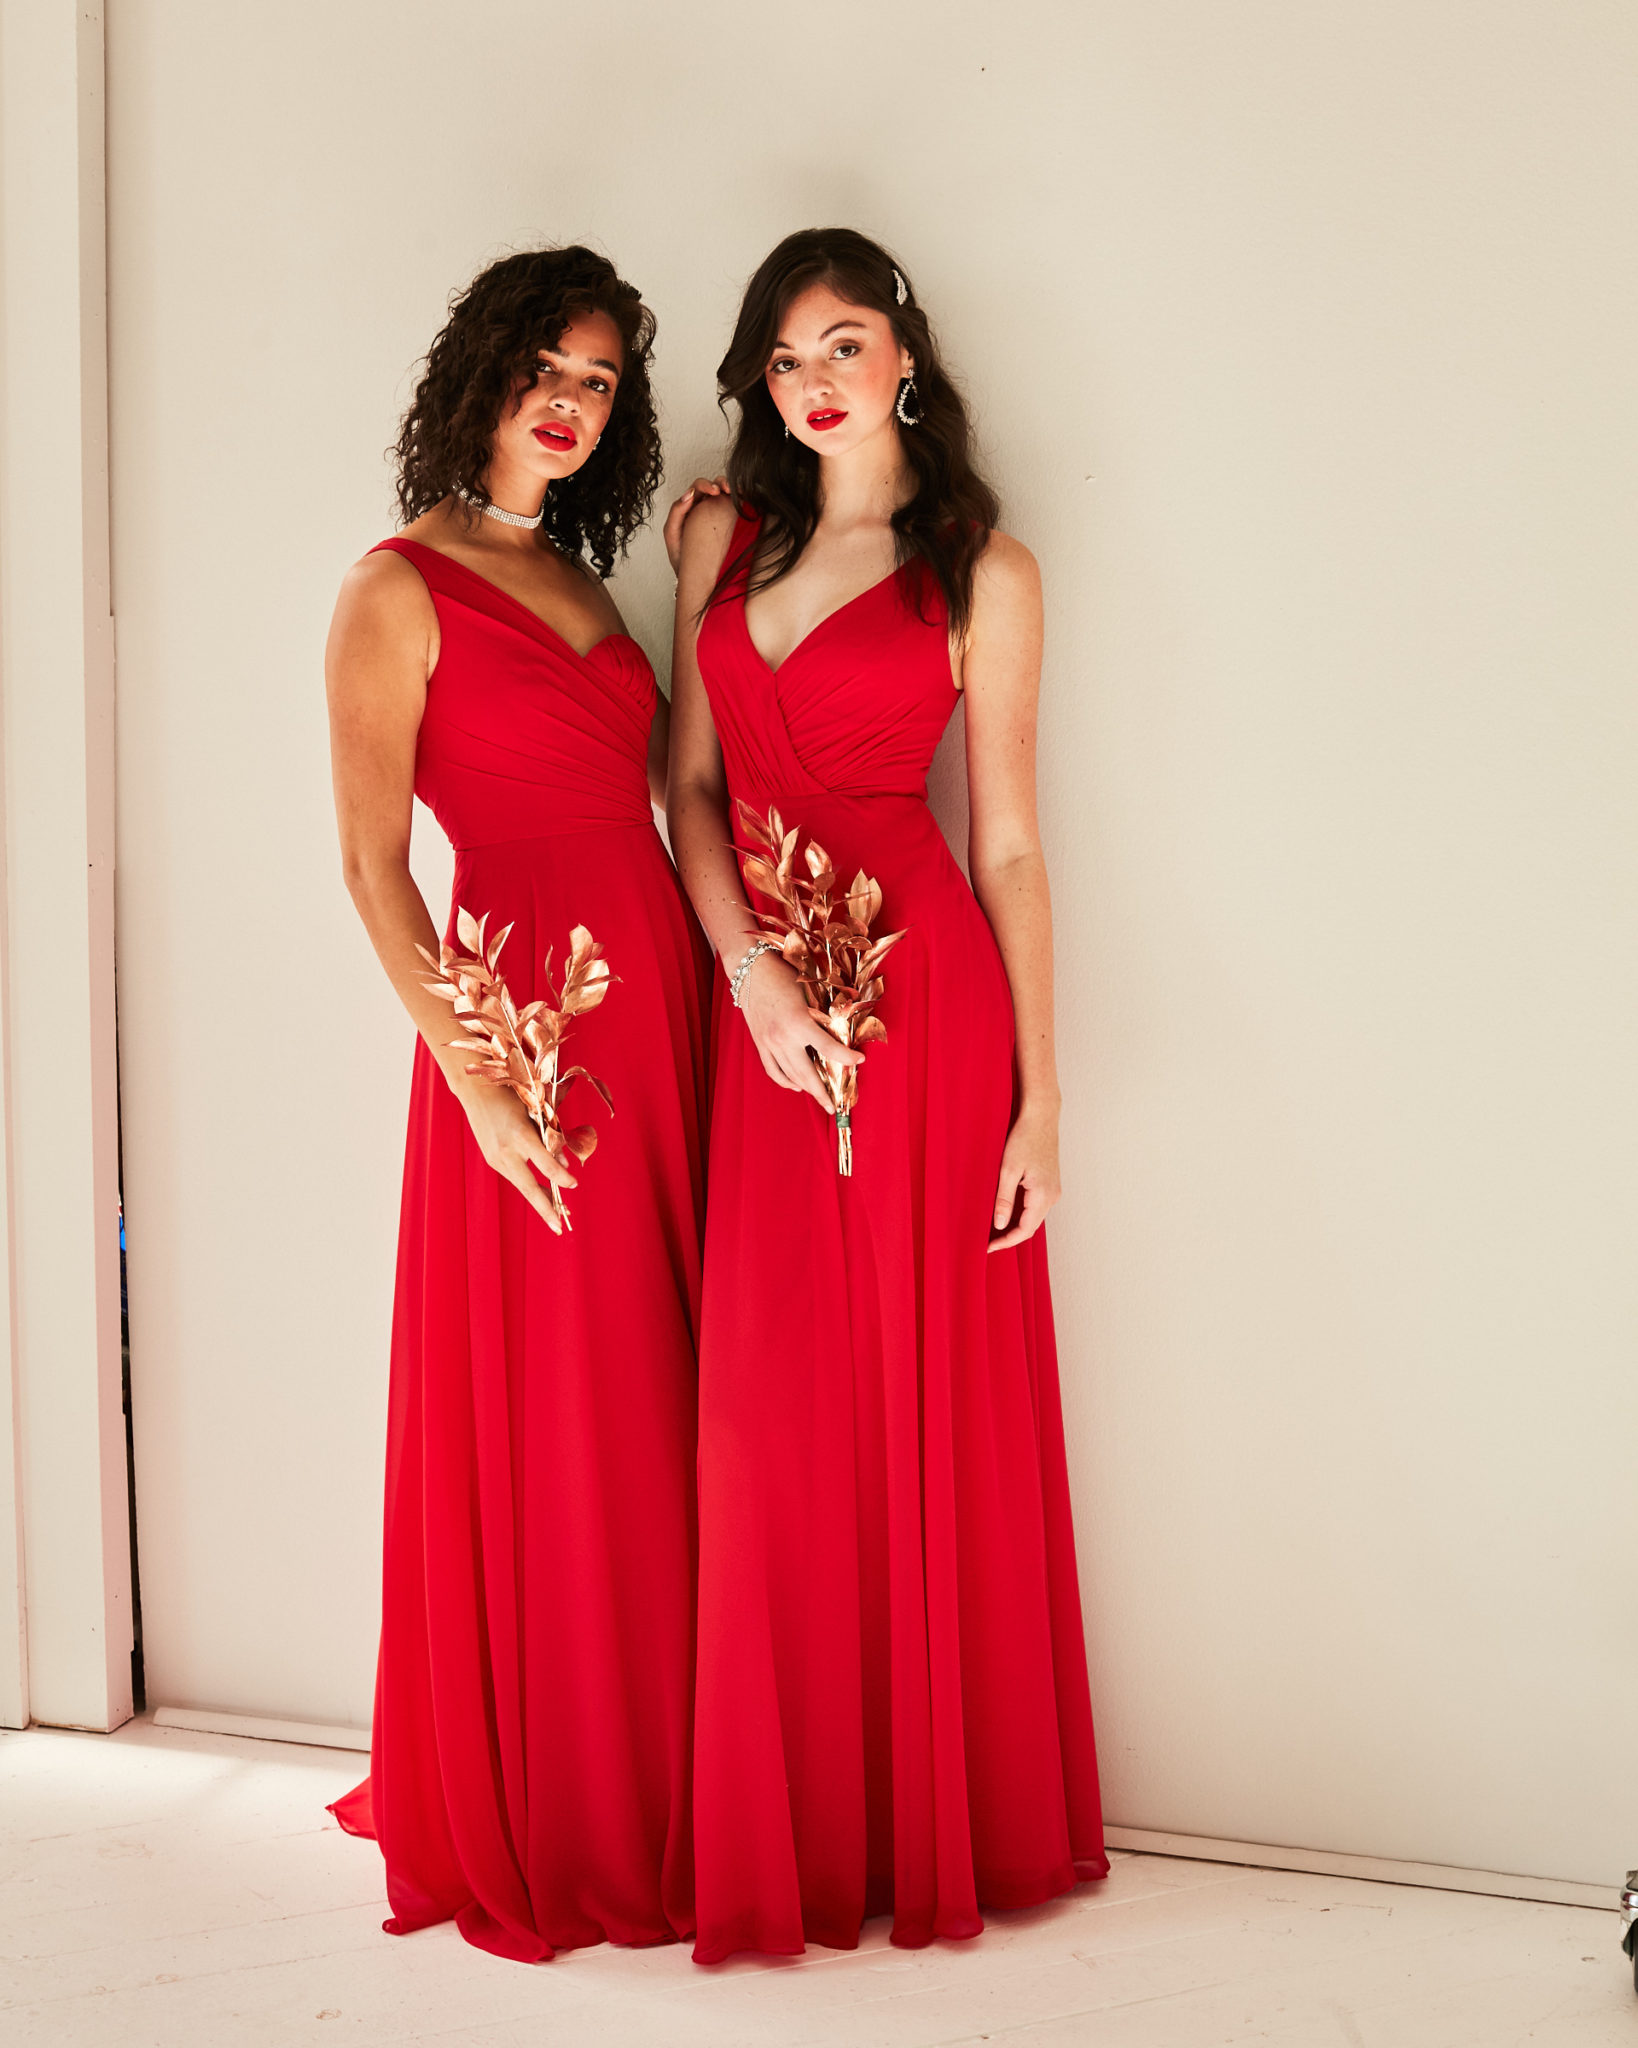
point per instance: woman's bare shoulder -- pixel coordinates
(1006, 587)
(383, 604)
(381, 582)
(706, 536)
(706, 530)
(1007, 566)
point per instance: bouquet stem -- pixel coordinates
(554, 1194)
(843, 1093)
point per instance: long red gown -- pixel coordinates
(892, 1711)
(529, 1772)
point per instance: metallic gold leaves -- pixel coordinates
(519, 1049)
(825, 936)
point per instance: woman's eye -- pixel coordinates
(847, 348)
(778, 368)
(597, 384)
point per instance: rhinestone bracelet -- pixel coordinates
(736, 985)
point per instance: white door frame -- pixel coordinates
(65, 1566)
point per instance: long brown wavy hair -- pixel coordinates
(495, 331)
(950, 515)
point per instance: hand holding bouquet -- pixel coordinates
(520, 1049)
(826, 938)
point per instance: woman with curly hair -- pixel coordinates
(892, 1713)
(529, 1769)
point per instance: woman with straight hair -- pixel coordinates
(892, 1711)
(529, 1768)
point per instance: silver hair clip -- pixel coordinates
(900, 288)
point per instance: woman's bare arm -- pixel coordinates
(382, 648)
(780, 1022)
(1001, 671)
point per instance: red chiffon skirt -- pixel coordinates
(893, 1711)
(530, 1770)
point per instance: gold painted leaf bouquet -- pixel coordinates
(825, 935)
(521, 1049)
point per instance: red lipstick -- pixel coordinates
(822, 422)
(558, 439)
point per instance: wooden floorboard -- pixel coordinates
(162, 1888)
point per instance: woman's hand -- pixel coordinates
(782, 1028)
(701, 487)
(510, 1143)
(1029, 1165)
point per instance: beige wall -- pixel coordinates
(65, 1567)
(1301, 340)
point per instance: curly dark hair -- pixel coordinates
(495, 331)
(948, 520)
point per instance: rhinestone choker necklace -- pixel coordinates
(495, 512)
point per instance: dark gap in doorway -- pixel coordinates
(139, 1688)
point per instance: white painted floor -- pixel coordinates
(160, 1889)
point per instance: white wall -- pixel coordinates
(1301, 342)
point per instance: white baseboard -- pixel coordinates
(1551, 1891)
(314, 1733)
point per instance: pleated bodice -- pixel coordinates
(858, 706)
(522, 737)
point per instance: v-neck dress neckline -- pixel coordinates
(558, 638)
(819, 626)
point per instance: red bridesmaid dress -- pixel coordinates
(529, 1767)
(892, 1711)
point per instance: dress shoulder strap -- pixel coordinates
(438, 570)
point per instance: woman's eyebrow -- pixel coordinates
(596, 362)
(829, 331)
